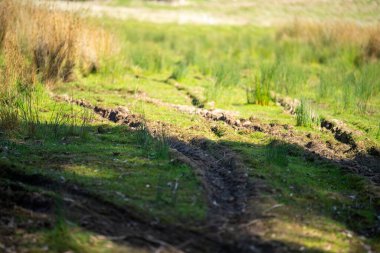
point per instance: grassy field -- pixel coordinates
(109, 143)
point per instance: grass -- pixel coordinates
(300, 184)
(332, 67)
(277, 153)
(115, 158)
(321, 62)
(305, 115)
(316, 202)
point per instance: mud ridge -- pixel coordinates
(341, 132)
(340, 153)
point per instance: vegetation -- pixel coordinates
(106, 122)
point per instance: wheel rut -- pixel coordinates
(221, 172)
(344, 154)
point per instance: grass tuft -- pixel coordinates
(305, 116)
(277, 153)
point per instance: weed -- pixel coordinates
(161, 146)
(259, 90)
(305, 116)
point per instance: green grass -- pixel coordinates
(320, 188)
(316, 201)
(305, 116)
(233, 68)
(114, 162)
(323, 190)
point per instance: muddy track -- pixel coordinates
(341, 132)
(222, 173)
(120, 224)
(223, 177)
(195, 101)
(341, 153)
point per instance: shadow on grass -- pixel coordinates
(82, 166)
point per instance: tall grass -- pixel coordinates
(305, 116)
(41, 45)
(179, 71)
(300, 53)
(258, 91)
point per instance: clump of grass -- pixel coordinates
(161, 146)
(50, 44)
(259, 90)
(372, 47)
(366, 86)
(277, 153)
(305, 116)
(226, 73)
(60, 238)
(155, 147)
(29, 110)
(180, 70)
(348, 89)
(9, 114)
(40, 45)
(147, 58)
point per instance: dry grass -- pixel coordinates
(52, 43)
(366, 37)
(41, 44)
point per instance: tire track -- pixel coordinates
(221, 173)
(339, 153)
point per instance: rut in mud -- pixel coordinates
(97, 215)
(343, 153)
(222, 174)
(341, 132)
(223, 177)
